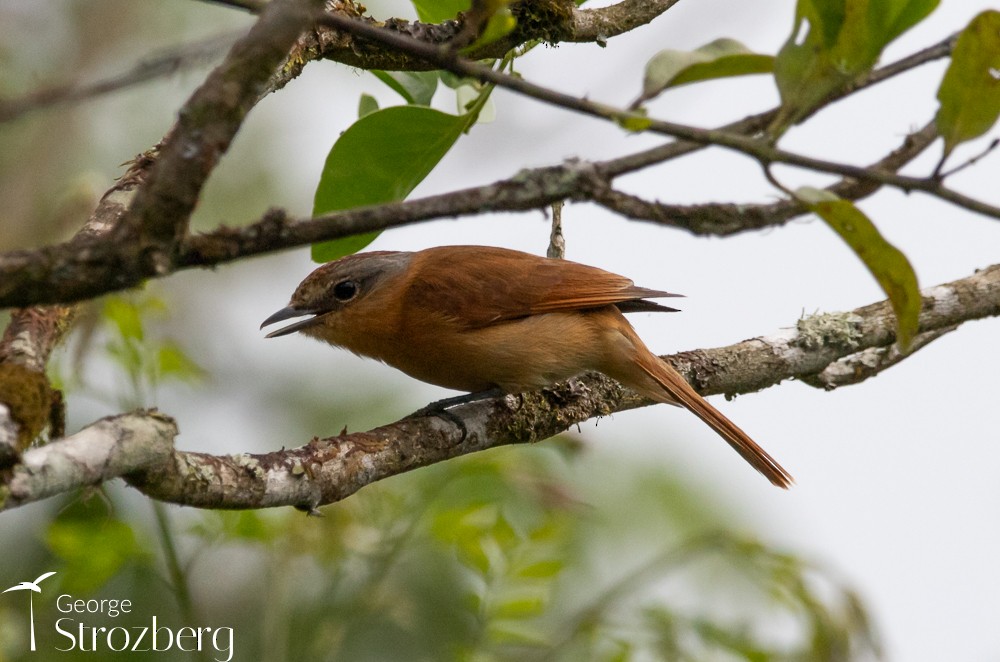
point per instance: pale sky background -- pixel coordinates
(897, 486)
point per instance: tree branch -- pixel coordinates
(865, 364)
(109, 448)
(599, 25)
(165, 64)
(551, 21)
(252, 6)
(760, 150)
(718, 219)
(207, 123)
(32, 334)
(330, 469)
(66, 273)
(145, 214)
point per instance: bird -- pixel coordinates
(489, 321)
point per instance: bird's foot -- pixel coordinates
(440, 408)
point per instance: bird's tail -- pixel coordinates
(657, 380)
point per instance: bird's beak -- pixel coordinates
(289, 313)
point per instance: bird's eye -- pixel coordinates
(345, 290)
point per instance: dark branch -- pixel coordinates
(252, 6)
(207, 123)
(601, 24)
(760, 150)
(551, 21)
(77, 270)
(718, 219)
(83, 269)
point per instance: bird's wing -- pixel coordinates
(487, 292)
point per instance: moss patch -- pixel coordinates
(29, 397)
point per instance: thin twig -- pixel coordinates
(557, 242)
(164, 64)
(724, 219)
(252, 6)
(971, 161)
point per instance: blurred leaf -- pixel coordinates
(125, 315)
(500, 24)
(731, 640)
(889, 266)
(454, 81)
(172, 362)
(243, 525)
(416, 87)
(367, 105)
(721, 58)
(522, 604)
(832, 44)
(635, 123)
(542, 569)
(127, 354)
(92, 549)
(970, 91)
(381, 158)
(622, 652)
(438, 11)
(145, 359)
(515, 633)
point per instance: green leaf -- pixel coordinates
(171, 361)
(542, 569)
(381, 158)
(467, 99)
(635, 123)
(126, 317)
(92, 551)
(367, 105)
(243, 525)
(454, 81)
(833, 43)
(886, 262)
(721, 58)
(416, 87)
(970, 91)
(521, 604)
(904, 15)
(514, 633)
(437, 11)
(499, 25)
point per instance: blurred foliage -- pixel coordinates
(512, 554)
(117, 336)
